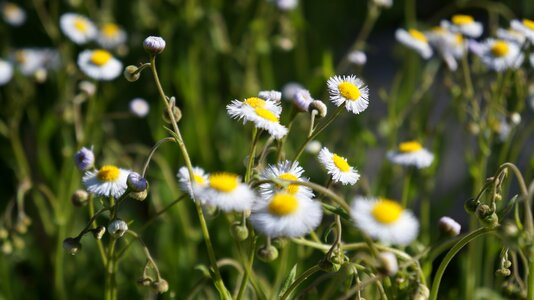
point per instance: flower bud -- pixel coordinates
(483, 211)
(319, 106)
(279, 242)
(72, 245)
(84, 159)
(176, 112)
(268, 253)
(136, 182)
(515, 118)
(98, 232)
(154, 45)
(79, 198)
(117, 228)
(302, 99)
(3, 233)
(388, 263)
(510, 230)
(87, 87)
(239, 231)
(357, 57)
(449, 226)
(491, 221)
(131, 74)
(503, 272)
(422, 293)
(161, 286)
(313, 147)
(145, 281)
(506, 264)
(139, 196)
(329, 265)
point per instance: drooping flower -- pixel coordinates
(84, 159)
(338, 167)
(99, 64)
(350, 91)
(271, 95)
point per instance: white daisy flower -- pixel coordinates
(31, 60)
(108, 181)
(302, 99)
(500, 55)
(511, 35)
(6, 72)
(338, 167)
(384, 220)
(286, 214)
(268, 121)
(77, 28)
(99, 64)
(200, 181)
(272, 95)
(226, 192)
(464, 24)
(410, 154)
(357, 57)
(242, 109)
(139, 107)
(285, 170)
(416, 40)
(349, 90)
(526, 27)
(451, 46)
(13, 14)
(111, 36)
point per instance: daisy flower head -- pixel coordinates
(416, 40)
(525, 26)
(338, 167)
(6, 72)
(226, 192)
(139, 107)
(451, 46)
(111, 36)
(384, 220)
(500, 55)
(78, 28)
(200, 181)
(357, 57)
(108, 181)
(464, 24)
(286, 214)
(302, 99)
(411, 153)
(272, 95)
(12, 14)
(31, 60)
(511, 35)
(245, 109)
(349, 90)
(99, 64)
(286, 170)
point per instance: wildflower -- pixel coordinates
(272, 95)
(84, 159)
(13, 14)
(416, 40)
(411, 153)
(117, 228)
(108, 181)
(384, 220)
(500, 55)
(511, 35)
(463, 24)
(200, 181)
(6, 72)
(111, 35)
(99, 64)
(449, 226)
(357, 57)
(349, 90)
(285, 170)
(32, 60)
(302, 99)
(525, 26)
(228, 193)
(139, 107)
(286, 214)
(154, 45)
(338, 167)
(78, 28)
(290, 89)
(244, 109)
(451, 46)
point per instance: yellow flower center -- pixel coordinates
(10, 9)
(462, 20)
(224, 182)
(292, 188)
(500, 49)
(411, 146)
(349, 91)
(418, 35)
(528, 23)
(341, 163)
(255, 102)
(459, 39)
(283, 204)
(199, 180)
(110, 30)
(108, 173)
(266, 114)
(386, 211)
(100, 57)
(81, 25)
(438, 29)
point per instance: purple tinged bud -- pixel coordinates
(136, 182)
(84, 159)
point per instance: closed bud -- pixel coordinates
(483, 211)
(422, 293)
(268, 253)
(498, 197)
(491, 221)
(506, 264)
(318, 106)
(388, 263)
(471, 205)
(84, 159)
(72, 245)
(154, 45)
(79, 198)
(98, 232)
(449, 226)
(117, 228)
(131, 74)
(239, 231)
(136, 182)
(139, 196)
(145, 281)
(313, 147)
(176, 112)
(503, 272)
(161, 286)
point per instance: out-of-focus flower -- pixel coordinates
(108, 181)
(111, 36)
(525, 26)
(357, 57)
(384, 220)
(200, 181)
(302, 99)
(384, 3)
(338, 167)
(285, 5)
(313, 147)
(416, 40)
(410, 154)
(449, 226)
(84, 159)
(99, 64)
(350, 91)
(12, 14)
(290, 89)
(450, 46)
(139, 107)
(78, 28)
(500, 55)
(226, 192)
(272, 95)
(465, 25)
(6, 72)
(511, 35)
(31, 60)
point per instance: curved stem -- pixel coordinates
(299, 280)
(156, 146)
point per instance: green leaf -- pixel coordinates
(289, 280)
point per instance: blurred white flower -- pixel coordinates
(111, 36)
(6, 72)
(464, 24)
(12, 14)
(77, 28)
(416, 40)
(357, 57)
(500, 55)
(139, 107)
(410, 154)
(99, 64)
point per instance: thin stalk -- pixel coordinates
(299, 280)
(156, 146)
(92, 216)
(248, 269)
(252, 153)
(110, 274)
(406, 188)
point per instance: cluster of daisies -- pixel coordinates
(455, 38)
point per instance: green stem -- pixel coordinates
(530, 282)
(252, 153)
(248, 268)
(110, 271)
(299, 280)
(92, 223)
(450, 255)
